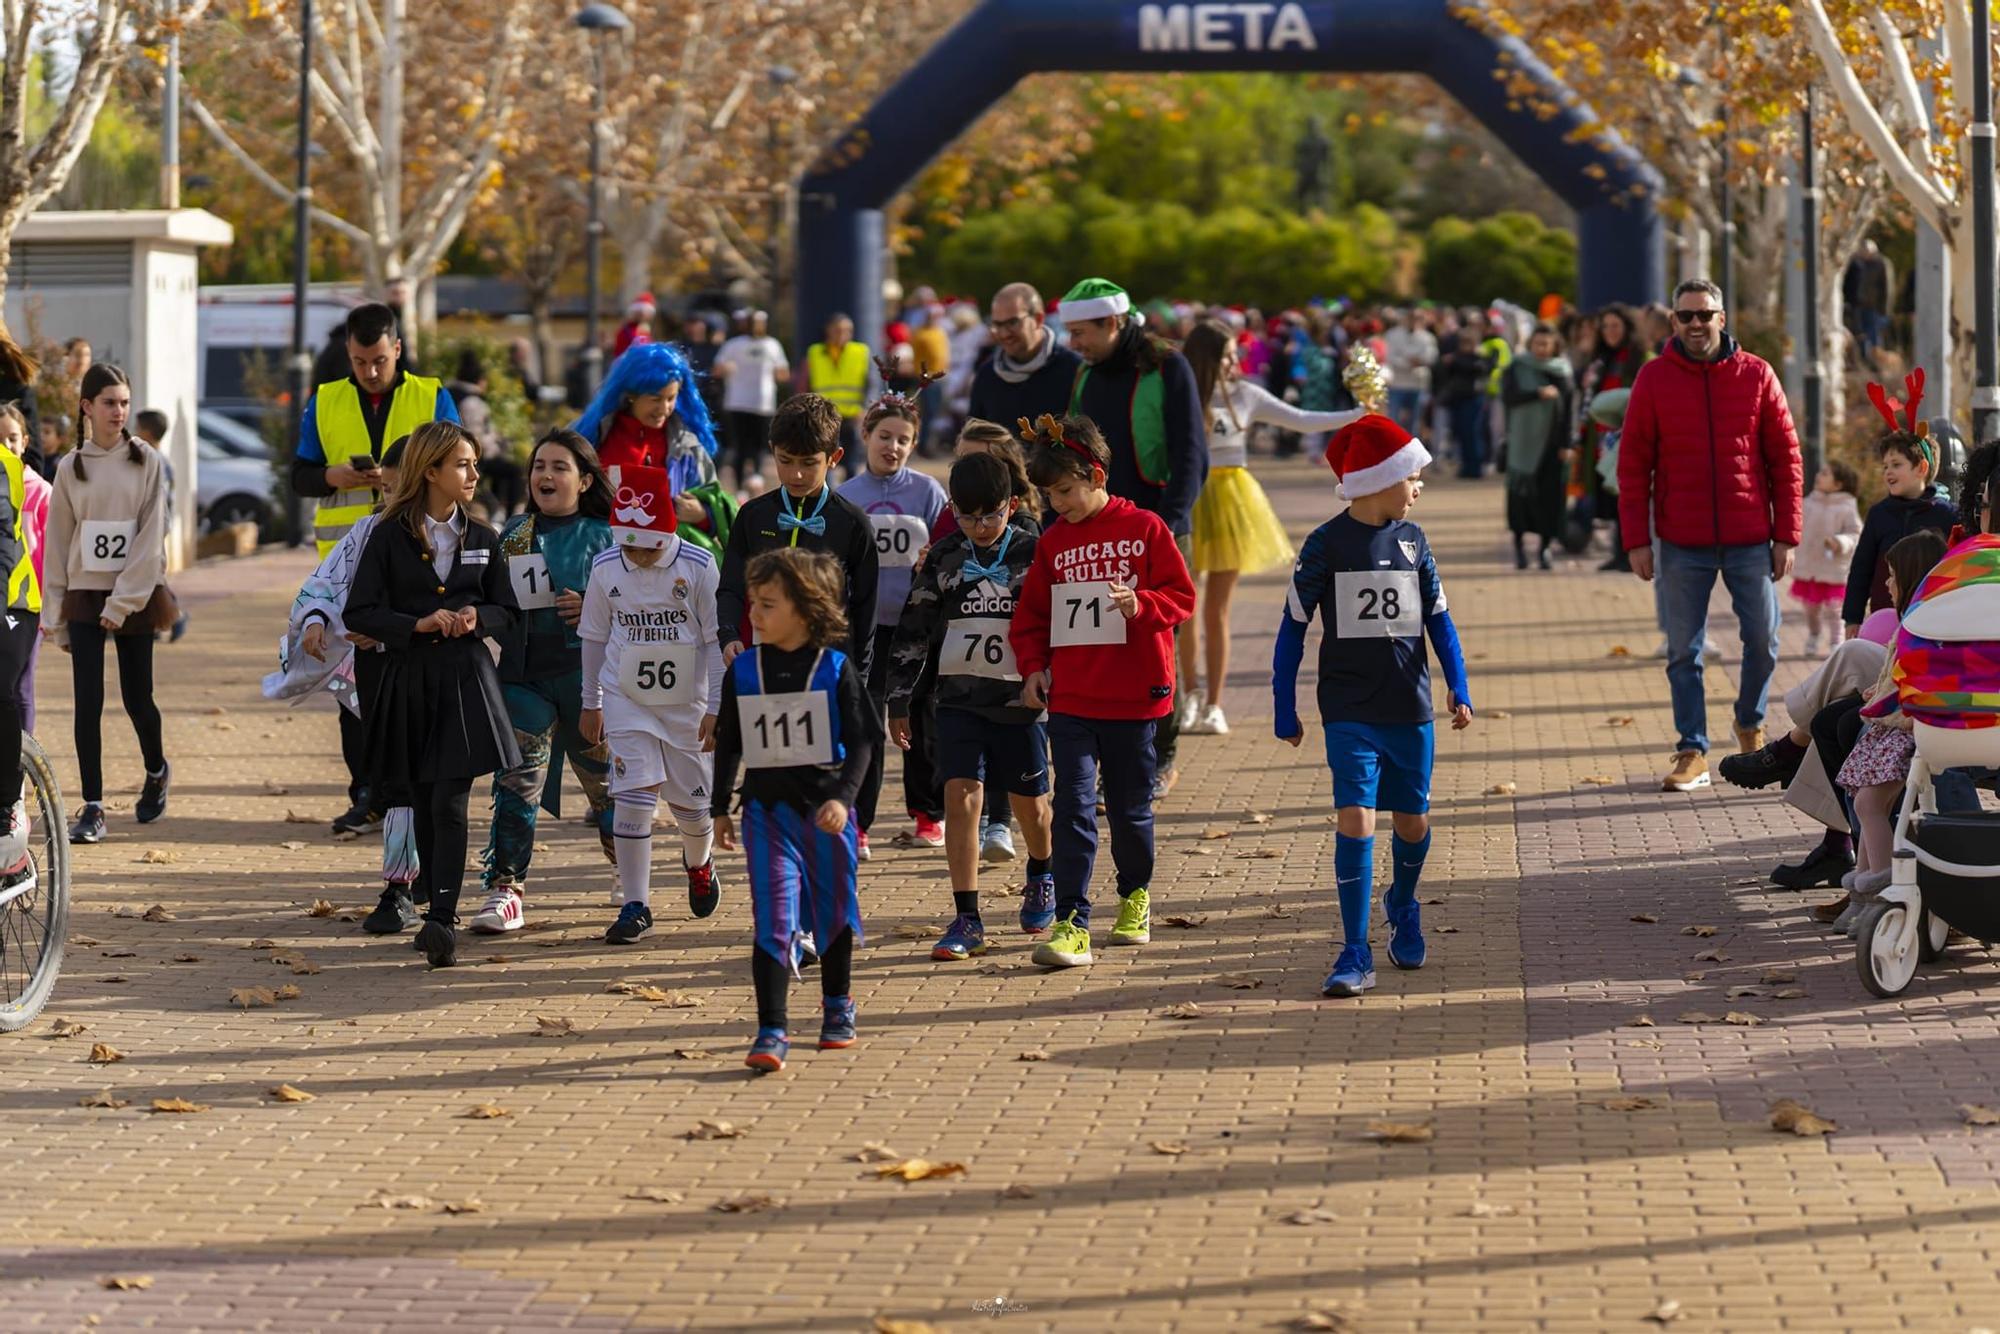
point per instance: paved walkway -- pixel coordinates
(1582, 1172)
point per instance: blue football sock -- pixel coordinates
(1354, 870)
(1406, 862)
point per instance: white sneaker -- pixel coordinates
(1190, 712)
(14, 840)
(996, 844)
(1211, 723)
(502, 912)
(1812, 646)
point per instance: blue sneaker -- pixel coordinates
(1406, 938)
(965, 936)
(1038, 904)
(836, 1029)
(1353, 973)
(769, 1051)
(634, 921)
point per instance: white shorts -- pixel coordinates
(640, 760)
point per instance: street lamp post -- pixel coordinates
(782, 77)
(1810, 360)
(301, 262)
(599, 21)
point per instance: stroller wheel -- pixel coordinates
(1932, 932)
(1885, 970)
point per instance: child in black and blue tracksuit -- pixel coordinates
(796, 715)
(1370, 576)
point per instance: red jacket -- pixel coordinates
(1131, 681)
(628, 444)
(1709, 448)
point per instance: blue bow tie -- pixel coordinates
(787, 521)
(973, 572)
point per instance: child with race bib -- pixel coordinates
(105, 566)
(548, 550)
(956, 627)
(652, 685)
(901, 504)
(36, 492)
(1093, 638)
(1369, 575)
(796, 716)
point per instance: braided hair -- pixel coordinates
(101, 376)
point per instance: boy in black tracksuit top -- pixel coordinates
(805, 513)
(957, 621)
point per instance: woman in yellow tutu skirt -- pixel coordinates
(1235, 530)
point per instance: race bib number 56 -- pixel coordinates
(658, 675)
(1377, 604)
(1084, 614)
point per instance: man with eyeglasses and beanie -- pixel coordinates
(1709, 458)
(1030, 374)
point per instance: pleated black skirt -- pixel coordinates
(437, 713)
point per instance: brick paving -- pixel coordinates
(255, 1214)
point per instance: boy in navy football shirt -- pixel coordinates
(1370, 576)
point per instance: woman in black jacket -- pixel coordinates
(432, 587)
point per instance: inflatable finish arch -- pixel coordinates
(840, 200)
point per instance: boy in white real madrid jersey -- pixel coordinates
(652, 684)
(1370, 577)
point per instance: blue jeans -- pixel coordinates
(1124, 750)
(1403, 406)
(1687, 576)
(1468, 432)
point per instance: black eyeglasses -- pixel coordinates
(1696, 316)
(1002, 326)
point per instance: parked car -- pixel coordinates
(230, 435)
(232, 488)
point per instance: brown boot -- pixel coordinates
(1827, 912)
(1749, 739)
(1690, 772)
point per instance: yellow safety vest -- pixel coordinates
(343, 438)
(842, 382)
(22, 577)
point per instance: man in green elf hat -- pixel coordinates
(1141, 393)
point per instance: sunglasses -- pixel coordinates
(1695, 316)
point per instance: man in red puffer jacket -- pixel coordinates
(1709, 457)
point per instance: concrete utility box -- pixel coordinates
(128, 282)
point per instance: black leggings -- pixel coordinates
(440, 820)
(135, 687)
(17, 647)
(774, 979)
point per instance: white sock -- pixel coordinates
(632, 832)
(697, 835)
(400, 858)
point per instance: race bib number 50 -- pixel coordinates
(898, 538)
(1084, 614)
(1377, 604)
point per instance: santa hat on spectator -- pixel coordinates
(642, 507)
(643, 304)
(1094, 299)
(1372, 454)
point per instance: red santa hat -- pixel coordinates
(1372, 454)
(642, 507)
(642, 302)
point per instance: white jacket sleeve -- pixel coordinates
(1273, 411)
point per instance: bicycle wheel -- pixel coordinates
(34, 905)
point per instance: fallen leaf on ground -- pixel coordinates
(1787, 1114)
(1976, 1114)
(639, 990)
(1240, 981)
(127, 1282)
(1789, 993)
(1400, 1132)
(1260, 855)
(464, 1207)
(553, 1026)
(247, 997)
(1279, 910)
(1258, 817)
(85, 941)
(121, 954)
(321, 908)
(1331, 1322)
(1502, 790)
(187, 958)
(1447, 930)
(919, 1169)
(1201, 850)
(1627, 1104)
(656, 1195)
(1647, 1044)
(293, 845)
(286, 1093)
(157, 913)
(1712, 956)
(1698, 930)
(486, 1111)
(1742, 1019)
(1171, 1148)
(293, 817)
(1619, 651)
(261, 944)
(158, 857)
(693, 1054)
(114, 977)
(1640, 1021)
(540, 924)
(178, 1106)
(746, 1204)
(275, 789)
(888, 1324)
(678, 1000)
(712, 1129)
(304, 968)
(1620, 720)
(1644, 917)
(1665, 1313)
(1481, 1209)
(1308, 1217)
(66, 1028)
(1599, 780)
(1699, 1017)
(1212, 835)
(1772, 977)
(1697, 977)
(101, 1098)
(1184, 923)
(1747, 993)
(389, 1201)
(1032, 1054)
(912, 931)
(1017, 1191)
(1500, 714)
(103, 1053)
(875, 1151)
(1185, 1010)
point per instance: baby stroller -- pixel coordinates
(1945, 868)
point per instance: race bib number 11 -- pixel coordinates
(1084, 614)
(533, 587)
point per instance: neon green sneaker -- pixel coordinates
(1135, 919)
(1068, 945)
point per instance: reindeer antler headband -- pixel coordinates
(893, 400)
(1047, 432)
(1913, 387)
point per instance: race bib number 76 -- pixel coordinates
(1377, 604)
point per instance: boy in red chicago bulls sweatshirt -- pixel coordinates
(1093, 636)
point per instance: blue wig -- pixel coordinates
(648, 368)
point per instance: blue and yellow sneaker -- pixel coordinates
(769, 1051)
(965, 936)
(1406, 937)
(1353, 972)
(836, 1029)
(1038, 903)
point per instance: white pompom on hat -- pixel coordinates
(1372, 454)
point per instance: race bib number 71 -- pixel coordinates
(1084, 614)
(1377, 604)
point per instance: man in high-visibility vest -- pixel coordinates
(347, 425)
(839, 371)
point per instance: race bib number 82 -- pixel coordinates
(1377, 604)
(107, 544)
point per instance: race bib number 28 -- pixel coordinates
(1377, 604)
(1084, 614)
